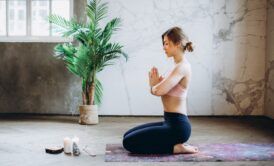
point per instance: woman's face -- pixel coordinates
(169, 47)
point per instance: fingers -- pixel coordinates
(157, 74)
(151, 73)
(154, 71)
(161, 78)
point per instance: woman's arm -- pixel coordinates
(154, 78)
(160, 79)
(172, 79)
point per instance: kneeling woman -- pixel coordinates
(168, 136)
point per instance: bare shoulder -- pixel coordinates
(184, 68)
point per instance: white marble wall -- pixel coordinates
(228, 63)
(269, 95)
(239, 57)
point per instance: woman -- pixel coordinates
(168, 136)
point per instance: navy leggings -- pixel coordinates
(158, 137)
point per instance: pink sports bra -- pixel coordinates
(178, 91)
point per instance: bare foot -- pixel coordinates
(182, 148)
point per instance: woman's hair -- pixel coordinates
(177, 36)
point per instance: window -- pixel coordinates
(2, 18)
(26, 20)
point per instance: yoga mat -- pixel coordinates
(207, 152)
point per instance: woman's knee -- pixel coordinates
(128, 131)
(125, 134)
(127, 144)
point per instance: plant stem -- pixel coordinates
(92, 88)
(87, 93)
(84, 98)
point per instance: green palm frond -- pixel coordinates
(109, 29)
(66, 52)
(82, 62)
(75, 58)
(62, 50)
(114, 49)
(110, 52)
(98, 92)
(96, 12)
(68, 27)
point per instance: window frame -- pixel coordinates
(28, 37)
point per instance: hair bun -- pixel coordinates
(189, 46)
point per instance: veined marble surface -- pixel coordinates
(228, 62)
(239, 57)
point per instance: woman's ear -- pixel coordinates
(177, 45)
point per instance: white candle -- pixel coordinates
(67, 145)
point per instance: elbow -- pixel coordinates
(158, 92)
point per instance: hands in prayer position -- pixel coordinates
(154, 77)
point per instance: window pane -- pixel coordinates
(17, 17)
(2, 17)
(61, 8)
(39, 22)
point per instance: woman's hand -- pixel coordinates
(154, 77)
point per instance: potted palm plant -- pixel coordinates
(88, 54)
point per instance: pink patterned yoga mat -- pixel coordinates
(207, 152)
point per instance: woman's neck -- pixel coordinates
(179, 57)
